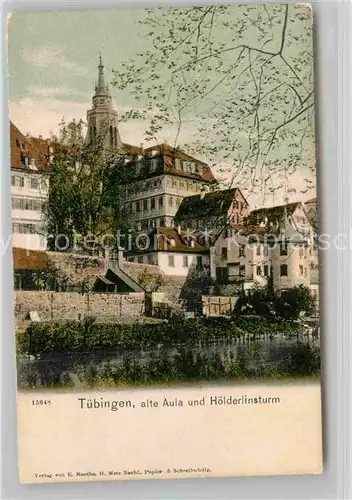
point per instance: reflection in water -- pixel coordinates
(281, 356)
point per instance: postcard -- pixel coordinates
(165, 242)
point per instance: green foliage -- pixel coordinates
(85, 184)
(299, 360)
(92, 337)
(250, 66)
(289, 305)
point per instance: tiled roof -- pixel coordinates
(29, 259)
(212, 204)
(131, 149)
(30, 147)
(167, 165)
(169, 240)
(290, 208)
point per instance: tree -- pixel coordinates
(264, 301)
(241, 77)
(152, 282)
(85, 184)
(295, 301)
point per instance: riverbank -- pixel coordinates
(90, 336)
(227, 361)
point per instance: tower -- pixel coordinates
(102, 119)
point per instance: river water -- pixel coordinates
(57, 370)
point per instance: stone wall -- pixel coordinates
(77, 269)
(61, 306)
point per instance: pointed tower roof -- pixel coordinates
(101, 88)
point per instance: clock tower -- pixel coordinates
(102, 118)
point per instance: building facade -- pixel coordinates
(248, 256)
(212, 211)
(30, 159)
(157, 181)
(172, 253)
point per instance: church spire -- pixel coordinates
(101, 88)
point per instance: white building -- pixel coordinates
(173, 254)
(256, 255)
(30, 158)
(158, 179)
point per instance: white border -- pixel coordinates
(333, 70)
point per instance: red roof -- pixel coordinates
(29, 259)
(22, 147)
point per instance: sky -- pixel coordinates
(53, 58)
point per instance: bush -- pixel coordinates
(90, 337)
(298, 360)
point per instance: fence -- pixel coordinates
(218, 306)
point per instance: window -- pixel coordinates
(241, 250)
(178, 164)
(34, 184)
(199, 262)
(152, 204)
(171, 261)
(283, 249)
(17, 180)
(259, 250)
(154, 164)
(17, 143)
(242, 272)
(266, 270)
(145, 205)
(171, 201)
(140, 259)
(138, 206)
(178, 202)
(259, 271)
(283, 270)
(301, 270)
(266, 251)
(162, 222)
(149, 259)
(185, 261)
(224, 253)
(23, 228)
(161, 202)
